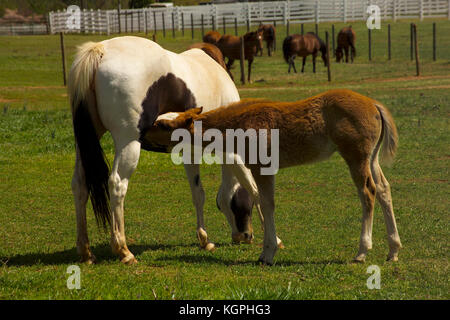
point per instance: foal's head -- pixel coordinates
(254, 38)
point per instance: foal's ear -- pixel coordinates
(195, 111)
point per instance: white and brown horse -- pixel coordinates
(121, 85)
(309, 130)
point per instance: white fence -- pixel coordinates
(250, 13)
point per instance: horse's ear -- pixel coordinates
(197, 110)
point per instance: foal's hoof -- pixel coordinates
(393, 258)
(264, 263)
(210, 247)
(88, 259)
(129, 260)
(361, 258)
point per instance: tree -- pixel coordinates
(139, 3)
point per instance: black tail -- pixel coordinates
(286, 44)
(95, 164)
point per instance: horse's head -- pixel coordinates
(158, 137)
(254, 38)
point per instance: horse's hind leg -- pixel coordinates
(385, 200)
(198, 198)
(362, 177)
(80, 194)
(125, 162)
(346, 54)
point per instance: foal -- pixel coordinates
(310, 130)
(212, 37)
(303, 46)
(268, 32)
(345, 40)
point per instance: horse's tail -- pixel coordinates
(286, 45)
(389, 135)
(83, 103)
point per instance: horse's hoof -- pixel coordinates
(89, 261)
(264, 263)
(359, 259)
(129, 260)
(281, 245)
(392, 258)
(210, 247)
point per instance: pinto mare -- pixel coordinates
(121, 85)
(268, 32)
(310, 130)
(231, 48)
(346, 39)
(303, 46)
(214, 52)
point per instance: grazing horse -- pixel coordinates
(302, 46)
(309, 130)
(214, 52)
(212, 37)
(121, 85)
(346, 39)
(268, 32)
(231, 48)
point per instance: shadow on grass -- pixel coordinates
(102, 253)
(228, 262)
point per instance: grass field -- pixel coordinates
(318, 211)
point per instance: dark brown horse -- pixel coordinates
(302, 46)
(212, 37)
(268, 32)
(212, 51)
(231, 48)
(346, 39)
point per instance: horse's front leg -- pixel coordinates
(198, 198)
(250, 61)
(125, 162)
(314, 63)
(346, 54)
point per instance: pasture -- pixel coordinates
(318, 214)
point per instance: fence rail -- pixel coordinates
(250, 13)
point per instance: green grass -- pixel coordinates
(318, 212)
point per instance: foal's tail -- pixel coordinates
(389, 135)
(84, 110)
(286, 45)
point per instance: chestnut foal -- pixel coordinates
(310, 130)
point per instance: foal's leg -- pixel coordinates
(198, 197)
(385, 200)
(266, 185)
(362, 177)
(314, 63)
(80, 195)
(125, 162)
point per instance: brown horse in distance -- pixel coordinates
(268, 32)
(231, 48)
(302, 46)
(212, 51)
(346, 39)
(212, 37)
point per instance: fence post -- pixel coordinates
(332, 39)
(389, 41)
(434, 41)
(394, 10)
(248, 16)
(302, 29)
(182, 23)
(173, 25)
(235, 26)
(108, 28)
(416, 50)
(448, 13)
(163, 24)
(118, 20)
(154, 22)
(139, 21)
(63, 56)
(192, 25)
(287, 28)
(242, 59)
(146, 21)
(316, 13)
(317, 29)
(328, 56)
(370, 44)
(50, 23)
(411, 42)
(213, 22)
